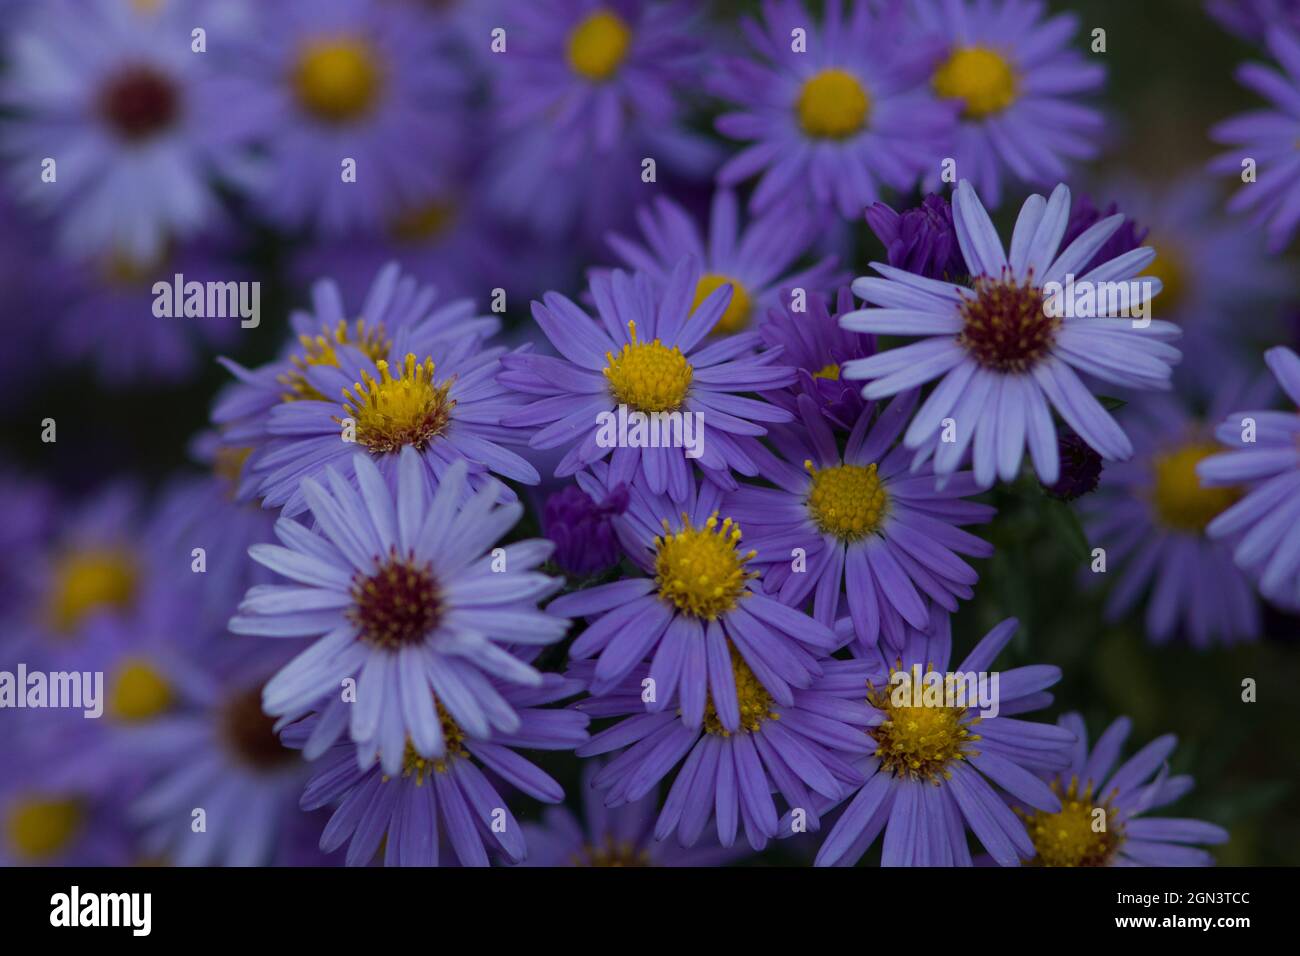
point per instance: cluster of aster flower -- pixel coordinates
(415, 561)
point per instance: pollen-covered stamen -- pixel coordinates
(250, 733)
(397, 604)
(754, 701)
(917, 740)
(338, 80)
(138, 692)
(648, 376)
(1004, 325)
(139, 102)
(89, 581)
(392, 413)
(848, 501)
(736, 316)
(1180, 501)
(829, 372)
(38, 827)
(1084, 832)
(598, 45)
(981, 78)
(702, 570)
(370, 339)
(422, 768)
(833, 104)
(611, 852)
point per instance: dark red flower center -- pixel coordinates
(139, 102)
(1004, 325)
(397, 604)
(251, 733)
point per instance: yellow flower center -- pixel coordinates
(598, 45)
(394, 412)
(1078, 835)
(38, 828)
(918, 741)
(848, 501)
(752, 697)
(422, 768)
(702, 570)
(228, 463)
(981, 78)
(736, 317)
(1181, 502)
(830, 372)
(337, 80)
(138, 692)
(123, 271)
(648, 376)
(832, 105)
(373, 342)
(89, 581)
(1169, 268)
(424, 222)
(620, 853)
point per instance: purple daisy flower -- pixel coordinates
(589, 68)
(1251, 19)
(102, 562)
(426, 799)
(935, 767)
(581, 528)
(55, 825)
(1017, 82)
(393, 302)
(644, 355)
(110, 323)
(1069, 836)
(756, 262)
(340, 80)
(446, 239)
(837, 119)
(697, 598)
(136, 122)
(859, 520)
(1267, 137)
(588, 91)
(1151, 514)
(404, 599)
(220, 752)
(405, 375)
(1267, 518)
(802, 750)
(922, 240)
(1003, 357)
(1213, 270)
(203, 512)
(147, 672)
(621, 836)
(815, 345)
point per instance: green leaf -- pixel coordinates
(1063, 524)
